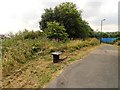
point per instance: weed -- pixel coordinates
(20, 50)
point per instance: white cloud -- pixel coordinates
(19, 14)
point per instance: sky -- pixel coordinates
(17, 15)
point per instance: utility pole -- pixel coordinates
(101, 29)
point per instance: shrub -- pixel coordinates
(56, 31)
(26, 34)
(16, 52)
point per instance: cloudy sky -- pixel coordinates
(17, 15)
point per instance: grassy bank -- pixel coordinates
(28, 62)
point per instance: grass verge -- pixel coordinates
(28, 63)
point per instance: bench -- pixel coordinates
(56, 56)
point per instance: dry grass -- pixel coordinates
(28, 63)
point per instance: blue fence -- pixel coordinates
(108, 39)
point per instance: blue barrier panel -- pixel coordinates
(108, 39)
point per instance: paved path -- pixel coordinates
(98, 70)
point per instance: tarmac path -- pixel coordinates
(97, 70)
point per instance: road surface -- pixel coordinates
(97, 70)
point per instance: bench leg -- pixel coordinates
(55, 58)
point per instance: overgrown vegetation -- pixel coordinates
(107, 35)
(19, 51)
(26, 56)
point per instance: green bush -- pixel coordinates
(56, 31)
(26, 34)
(18, 51)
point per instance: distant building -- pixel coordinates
(2, 36)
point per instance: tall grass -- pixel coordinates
(19, 50)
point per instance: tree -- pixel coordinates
(48, 16)
(68, 16)
(86, 31)
(56, 31)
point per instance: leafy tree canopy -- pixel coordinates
(68, 16)
(56, 31)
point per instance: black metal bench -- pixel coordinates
(56, 56)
